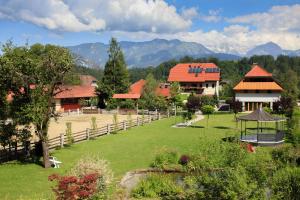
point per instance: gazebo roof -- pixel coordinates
(261, 116)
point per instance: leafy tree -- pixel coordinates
(115, 78)
(235, 105)
(193, 103)
(175, 94)
(36, 75)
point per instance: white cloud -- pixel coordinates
(212, 16)
(189, 13)
(97, 15)
(278, 18)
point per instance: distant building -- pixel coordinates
(70, 96)
(257, 89)
(136, 90)
(199, 78)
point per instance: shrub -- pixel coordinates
(155, 186)
(73, 187)
(286, 184)
(208, 100)
(92, 164)
(193, 103)
(184, 159)
(127, 104)
(70, 138)
(267, 109)
(187, 115)
(286, 155)
(165, 158)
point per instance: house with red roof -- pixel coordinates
(199, 78)
(257, 89)
(70, 96)
(136, 90)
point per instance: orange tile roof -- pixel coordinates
(76, 91)
(180, 73)
(126, 96)
(136, 90)
(137, 87)
(257, 86)
(258, 71)
(165, 92)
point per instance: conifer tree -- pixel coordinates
(116, 78)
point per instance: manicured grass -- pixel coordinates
(128, 150)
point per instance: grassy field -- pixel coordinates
(128, 150)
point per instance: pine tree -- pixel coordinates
(116, 78)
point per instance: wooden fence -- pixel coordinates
(87, 134)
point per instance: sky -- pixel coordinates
(228, 26)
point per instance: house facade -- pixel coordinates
(257, 89)
(198, 78)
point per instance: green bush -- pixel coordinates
(286, 184)
(165, 158)
(157, 186)
(286, 155)
(127, 104)
(267, 109)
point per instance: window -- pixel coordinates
(206, 85)
(213, 85)
(256, 91)
(200, 85)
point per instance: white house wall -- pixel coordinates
(257, 97)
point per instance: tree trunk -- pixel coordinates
(46, 154)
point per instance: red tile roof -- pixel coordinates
(126, 96)
(76, 91)
(180, 73)
(137, 87)
(136, 90)
(257, 86)
(258, 71)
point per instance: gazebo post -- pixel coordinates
(241, 129)
(257, 131)
(245, 128)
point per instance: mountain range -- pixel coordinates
(154, 52)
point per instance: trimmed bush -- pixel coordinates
(165, 158)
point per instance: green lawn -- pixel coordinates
(128, 150)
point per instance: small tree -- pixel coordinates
(129, 119)
(94, 124)
(235, 105)
(193, 103)
(115, 123)
(70, 138)
(207, 110)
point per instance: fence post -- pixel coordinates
(138, 121)
(158, 116)
(99, 111)
(108, 129)
(124, 125)
(149, 118)
(168, 113)
(62, 140)
(78, 113)
(87, 133)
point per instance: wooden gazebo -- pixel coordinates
(262, 134)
